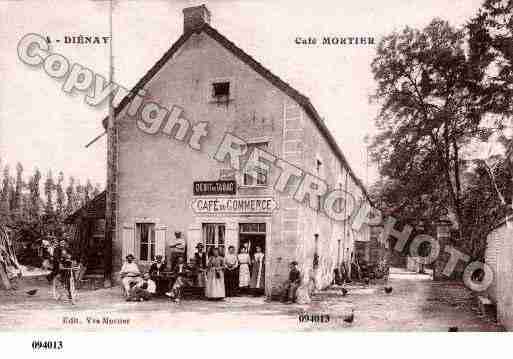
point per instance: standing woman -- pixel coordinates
(244, 261)
(215, 276)
(258, 270)
(231, 274)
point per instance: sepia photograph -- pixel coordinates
(265, 166)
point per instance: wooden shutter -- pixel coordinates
(160, 241)
(128, 236)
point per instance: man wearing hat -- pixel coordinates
(130, 273)
(155, 271)
(292, 284)
(200, 264)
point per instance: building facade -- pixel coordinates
(167, 189)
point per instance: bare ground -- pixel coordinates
(416, 304)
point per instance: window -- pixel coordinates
(214, 237)
(145, 235)
(261, 174)
(252, 228)
(221, 91)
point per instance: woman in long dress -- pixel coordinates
(215, 276)
(244, 261)
(258, 270)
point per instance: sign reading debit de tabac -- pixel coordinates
(238, 205)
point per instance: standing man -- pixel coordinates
(200, 263)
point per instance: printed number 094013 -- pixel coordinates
(47, 345)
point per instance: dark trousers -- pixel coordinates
(289, 291)
(231, 282)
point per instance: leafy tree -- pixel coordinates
(61, 197)
(88, 191)
(49, 188)
(491, 38)
(18, 193)
(35, 198)
(70, 196)
(4, 195)
(429, 92)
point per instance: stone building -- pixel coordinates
(165, 183)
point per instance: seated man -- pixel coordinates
(155, 271)
(181, 270)
(291, 285)
(143, 290)
(130, 273)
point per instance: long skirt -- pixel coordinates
(215, 284)
(244, 275)
(258, 275)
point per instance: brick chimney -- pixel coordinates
(194, 17)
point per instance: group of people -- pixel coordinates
(220, 276)
(142, 287)
(232, 274)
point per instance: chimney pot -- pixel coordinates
(195, 17)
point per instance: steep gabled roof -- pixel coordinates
(301, 99)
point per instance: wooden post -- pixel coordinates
(5, 279)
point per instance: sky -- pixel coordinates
(42, 126)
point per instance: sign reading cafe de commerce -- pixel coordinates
(241, 205)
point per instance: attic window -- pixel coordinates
(221, 91)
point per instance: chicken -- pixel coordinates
(32, 292)
(388, 290)
(366, 280)
(349, 318)
(344, 292)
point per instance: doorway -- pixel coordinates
(253, 235)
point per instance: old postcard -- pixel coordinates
(272, 166)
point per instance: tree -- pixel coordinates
(491, 38)
(35, 198)
(18, 193)
(429, 94)
(61, 198)
(4, 195)
(88, 191)
(49, 188)
(70, 196)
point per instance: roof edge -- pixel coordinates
(301, 99)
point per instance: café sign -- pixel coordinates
(211, 188)
(234, 205)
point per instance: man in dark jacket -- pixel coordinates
(155, 271)
(292, 284)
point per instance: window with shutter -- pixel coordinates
(145, 237)
(128, 240)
